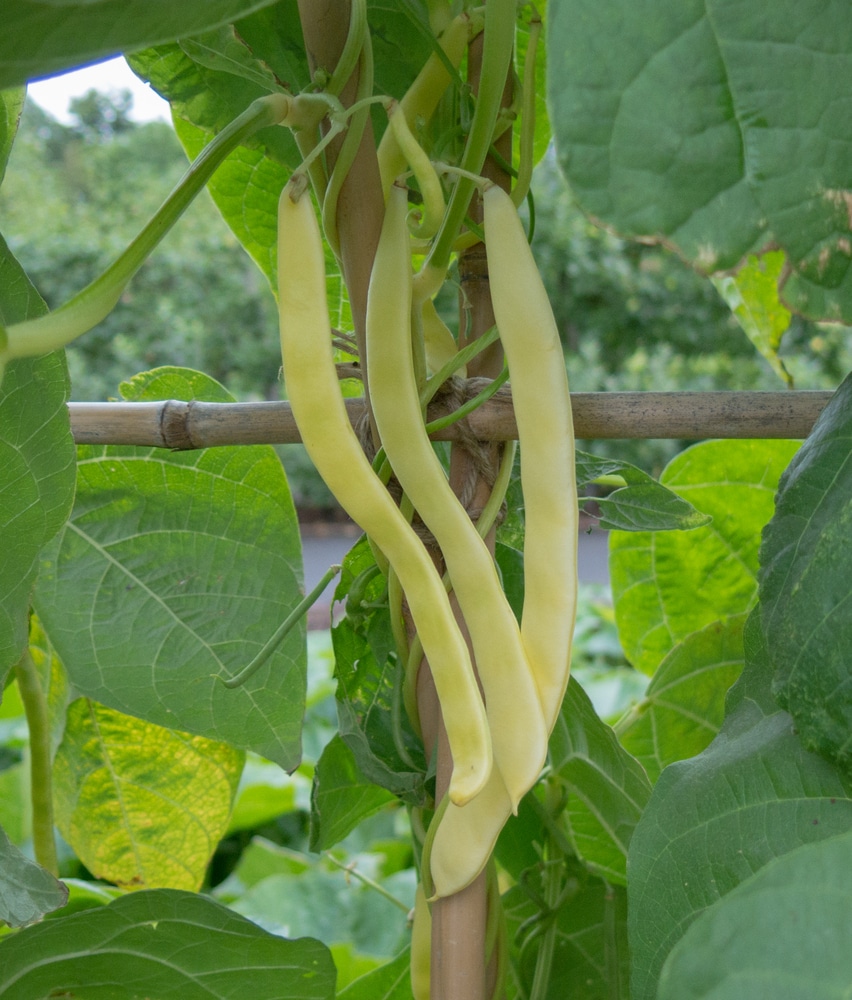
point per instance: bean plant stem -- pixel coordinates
(41, 766)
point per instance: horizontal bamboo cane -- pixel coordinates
(687, 416)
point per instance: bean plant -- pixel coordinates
(502, 832)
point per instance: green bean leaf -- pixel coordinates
(27, 891)
(174, 570)
(391, 981)
(11, 105)
(342, 797)
(802, 950)
(804, 584)
(210, 98)
(684, 704)
(642, 504)
(752, 295)
(703, 125)
(714, 820)
(41, 39)
(36, 457)
(667, 585)
(607, 787)
(136, 825)
(159, 943)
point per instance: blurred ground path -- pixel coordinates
(324, 544)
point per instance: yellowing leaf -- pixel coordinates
(142, 806)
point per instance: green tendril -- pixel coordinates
(350, 869)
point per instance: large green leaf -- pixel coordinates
(161, 943)
(173, 572)
(684, 704)
(36, 457)
(667, 585)
(805, 584)
(753, 795)
(27, 891)
(142, 806)
(341, 797)
(715, 127)
(40, 39)
(607, 787)
(733, 951)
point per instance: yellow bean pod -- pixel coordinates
(546, 434)
(335, 451)
(465, 837)
(422, 96)
(438, 340)
(421, 166)
(518, 737)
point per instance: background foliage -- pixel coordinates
(699, 780)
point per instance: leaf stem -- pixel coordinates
(41, 766)
(350, 869)
(281, 632)
(95, 302)
(481, 397)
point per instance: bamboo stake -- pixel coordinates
(686, 416)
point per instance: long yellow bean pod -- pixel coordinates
(422, 96)
(546, 434)
(518, 737)
(466, 837)
(335, 451)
